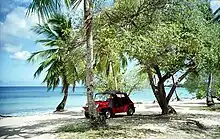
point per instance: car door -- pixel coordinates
(119, 103)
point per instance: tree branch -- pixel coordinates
(150, 76)
(177, 82)
(157, 69)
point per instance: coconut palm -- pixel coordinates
(55, 73)
(47, 8)
(56, 31)
(110, 64)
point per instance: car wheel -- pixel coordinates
(86, 114)
(130, 111)
(108, 114)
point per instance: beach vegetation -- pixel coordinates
(46, 9)
(197, 84)
(56, 32)
(206, 80)
(165, 38)
(128, 81)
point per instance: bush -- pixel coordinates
(200, 94)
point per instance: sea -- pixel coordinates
(35, 100)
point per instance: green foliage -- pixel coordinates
(171, 35)
(164, 38)
(200, 94)
(134, 80)
(210, 57)
(63, 52)
(77, 127)
(197, 84)
(167, 39)
(127, 82)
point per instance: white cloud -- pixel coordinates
(18, 25)
(12, 48)
(16, 51)
(22, 55)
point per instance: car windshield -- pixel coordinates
(102, 97)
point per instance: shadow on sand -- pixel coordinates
(34, 130)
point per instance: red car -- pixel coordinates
(111, 102)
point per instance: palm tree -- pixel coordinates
(57, 30)
(47, 8)
(110, 64)
(110, 59)
(55, 72)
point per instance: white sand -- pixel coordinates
(44, 126)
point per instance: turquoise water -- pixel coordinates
(18, 101)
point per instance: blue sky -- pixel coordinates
(17, 42)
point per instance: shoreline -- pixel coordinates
(140, 105)
(80, 109)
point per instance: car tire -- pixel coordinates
(130, 111)
(108, 114)
(86, 114)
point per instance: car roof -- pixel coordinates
(112, 92)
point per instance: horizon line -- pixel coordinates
(31, 86)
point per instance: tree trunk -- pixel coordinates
(177, 97)
(162, 98)
(209, 99)
(159, 92)
(94, 116)
(62, 104)
(114, 76)
(177, 82)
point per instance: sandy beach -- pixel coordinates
(45, 126)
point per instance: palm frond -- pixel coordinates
(41, 54)
(45, 64)
(61, 24)
(216, 19)
(75, 3)
(53, 75)
(216, 11)
(72, 3)
(44, 8)
(216, 15)
(45, 30)
(50, 43)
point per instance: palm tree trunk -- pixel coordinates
(114, 76)
(209, 99)
(62, 104)
(95, 119)
(89, 56)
